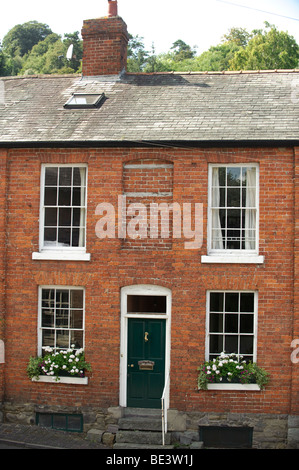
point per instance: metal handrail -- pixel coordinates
(164, 407)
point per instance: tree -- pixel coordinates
(49, 55)
(137, 55)
(217, 58)
(22, 37)
(182, 51)
(268, 49)
(238, 36)
(76, 61)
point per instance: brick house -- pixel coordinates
(75, 149)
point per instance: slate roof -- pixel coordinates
(183, 107)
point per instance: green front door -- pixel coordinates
(146, 362)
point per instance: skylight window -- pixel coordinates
(84, 100)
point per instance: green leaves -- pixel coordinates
(239, 50)
(66, 362)
(228, 368)
(32, 48)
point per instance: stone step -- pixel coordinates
(139, 412)
(141, 437)
(141, 428)
(145, 423)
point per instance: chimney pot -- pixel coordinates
(112, 8)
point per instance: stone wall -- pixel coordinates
(269, 431)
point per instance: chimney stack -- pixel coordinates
(105, 42)
(112, 8)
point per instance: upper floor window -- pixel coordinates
(233, 208)
(63, 207)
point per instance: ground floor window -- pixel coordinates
(231, 324)
(61, 318)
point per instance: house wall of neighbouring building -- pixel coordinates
(116, 263)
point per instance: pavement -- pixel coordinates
(35, 437)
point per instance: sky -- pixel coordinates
(200, 23)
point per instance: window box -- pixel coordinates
(62, 380)
(228, 372)
(231, 386)
(64, 366)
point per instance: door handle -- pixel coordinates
(146, 336)
(130, 365)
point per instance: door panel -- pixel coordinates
(145, 382)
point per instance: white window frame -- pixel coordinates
(40, 328)
(59, 253)
(232, 255)
(207, 348)
(142, 289)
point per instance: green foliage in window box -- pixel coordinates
(61, 363)
(228, 368)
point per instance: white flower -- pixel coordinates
(208, 372)
(217, 371)
(64, 366)
(229, 373)
(214, 367)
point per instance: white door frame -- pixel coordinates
(141, 289)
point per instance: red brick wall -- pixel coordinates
(3, 183)
(105, 43)
(112, 267)
(295, 371)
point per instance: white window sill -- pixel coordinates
(61, 255)
(241, 259)
(63, 380)
(242, 387)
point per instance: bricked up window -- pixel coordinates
(231, 324)
(63, 207)
(61, 318)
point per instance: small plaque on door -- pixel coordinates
(146, 365)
